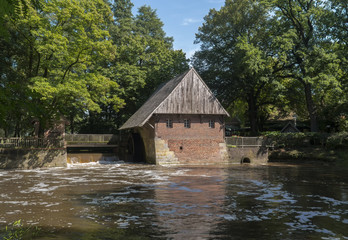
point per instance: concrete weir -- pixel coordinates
(83, 148)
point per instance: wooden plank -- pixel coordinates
(191, 96)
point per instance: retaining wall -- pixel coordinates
(32, 158)
(252, 155)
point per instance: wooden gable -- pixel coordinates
(184, 94)
(191, 96)
(290, 128)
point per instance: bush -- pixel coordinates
(338, 140)
(295, 140)
(17, 232)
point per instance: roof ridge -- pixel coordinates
(150, 99)
(183, 76)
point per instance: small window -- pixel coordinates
(169, 123)
(187, 123)
(211, 123)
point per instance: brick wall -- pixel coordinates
(198, 144)
(199, 127)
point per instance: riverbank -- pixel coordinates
(304, 147)
(310, 154)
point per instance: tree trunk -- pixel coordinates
(72, 124)
(17, 129)
(311, 107)
(30, 64)
(41, 128)
(252, 112)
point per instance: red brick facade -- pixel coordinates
(199, 144)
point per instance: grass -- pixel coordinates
(18, 231)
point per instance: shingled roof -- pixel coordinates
(184, 94)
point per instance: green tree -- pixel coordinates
(234, 57)
(145, 58)
(14, 8)
(277, 54)
(61, 42)
(158, 58)
(309, 54)
(335, 20)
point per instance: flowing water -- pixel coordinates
(134, 201)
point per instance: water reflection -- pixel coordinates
(117, 201)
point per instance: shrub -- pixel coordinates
(338, 140)
(17, 232)
(295, 140)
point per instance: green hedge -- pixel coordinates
(290, 140)
(338, 140)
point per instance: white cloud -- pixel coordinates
(191, 52)
(188, 21)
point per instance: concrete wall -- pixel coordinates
(32, 158)
(253, 155)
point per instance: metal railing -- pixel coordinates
(31, 143)
(245, 142)
(91, 139)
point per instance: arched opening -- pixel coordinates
(245, 160)
(138, 148)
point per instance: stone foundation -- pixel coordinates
(32, 158)
(164, 155)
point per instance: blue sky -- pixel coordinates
(181, 19)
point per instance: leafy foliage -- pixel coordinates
(145, 59)
(300, 140)
(277, 56)
(17, 232)
(235, 56)
(82, 60)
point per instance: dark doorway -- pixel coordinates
(138, 148)
(245, 160)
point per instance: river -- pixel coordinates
(135, 201)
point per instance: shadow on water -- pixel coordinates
(123, 213)
(286, 202)
(108, 233)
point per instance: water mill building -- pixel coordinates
(181, 123)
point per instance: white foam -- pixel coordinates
(41, 187)
(22, 203)
(228, 217)
(102, 163)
